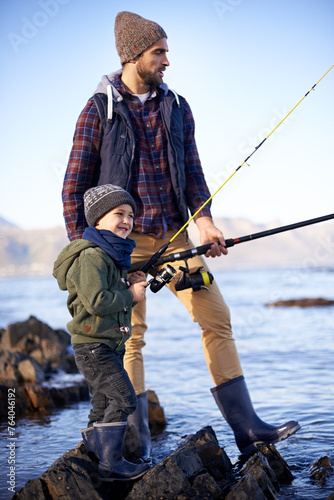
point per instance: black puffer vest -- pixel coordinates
(118, 143)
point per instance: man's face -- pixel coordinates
(152, 63)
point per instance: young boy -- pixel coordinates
(93, 270)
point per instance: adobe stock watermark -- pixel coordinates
(59, 170)
(225, 7)
(322, 254)
(246, 147)
(31, 26)
(11, 445)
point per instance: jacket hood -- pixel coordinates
(66, 258)
(110, 80)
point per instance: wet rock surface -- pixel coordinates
(32, 355)
(198, 469)
(320, 470)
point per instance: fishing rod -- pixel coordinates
(155, 257)
(201, 250)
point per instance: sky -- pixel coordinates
(242, 65)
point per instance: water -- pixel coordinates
(287, 356)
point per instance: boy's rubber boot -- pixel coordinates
(113, 466)
(139, 419)
(234, 402)
(88, 436)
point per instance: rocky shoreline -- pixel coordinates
(36, 363)
(31, 357)
(198, 469)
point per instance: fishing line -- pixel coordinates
(157, 255)
(246, 159)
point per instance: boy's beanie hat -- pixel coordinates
(100, 200)
(134, 34)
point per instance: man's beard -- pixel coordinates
(149, 78)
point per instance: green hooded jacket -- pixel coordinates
(98, 297)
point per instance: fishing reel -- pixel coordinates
(161, 278)
(198, 280)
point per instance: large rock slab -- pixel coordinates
(199, 468)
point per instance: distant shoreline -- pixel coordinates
(31, 253)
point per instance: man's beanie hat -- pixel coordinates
(134, 34)
(100, 200)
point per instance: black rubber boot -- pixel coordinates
(112, 466)
(234, 402)
(88, 436)
(139, 419)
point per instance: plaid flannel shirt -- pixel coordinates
(157, 206)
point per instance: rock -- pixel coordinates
(71, 476)
(9, 362)
(22, 401)
(301, 303)
(68, 394)
(30, 371)
(36, 339)
(214, 458)
(198, 469)
(277, 464)
(320, 470)
(246, 489)
(185, 473)
(261, 476)
(40, 398)
(259, 469)
(31, 353)
(156, 415)
(203, 487)
(165, 480)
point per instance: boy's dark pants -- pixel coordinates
(113, 395)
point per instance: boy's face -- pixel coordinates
(119, 221)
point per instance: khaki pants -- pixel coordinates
(209, 310)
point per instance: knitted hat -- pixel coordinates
(100, 200)
(134, 34)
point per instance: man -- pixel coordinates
(136, 133)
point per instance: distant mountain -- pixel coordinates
(29, 252)
(5, 223)
(307, 247)
(33, 252)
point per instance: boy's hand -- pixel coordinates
(138, 290)
(137, 277)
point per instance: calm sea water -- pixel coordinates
(287, 356)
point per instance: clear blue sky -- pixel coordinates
(241, 64)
